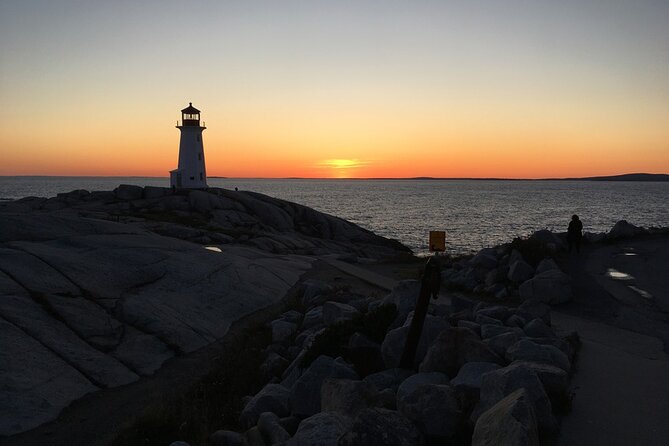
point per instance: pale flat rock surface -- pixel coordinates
(621, 390)
(98, 289)
(103, 308)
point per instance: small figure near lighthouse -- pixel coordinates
(191, 173)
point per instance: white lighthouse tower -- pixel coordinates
(191, 173)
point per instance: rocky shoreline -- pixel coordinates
(101, 288)
(130, 278)
(483, 372)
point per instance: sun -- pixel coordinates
(341, 168)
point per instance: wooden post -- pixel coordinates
(416, 327)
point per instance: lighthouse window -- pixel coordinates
(201, 176)
(192, 178)
(198, 138)
(199, 156)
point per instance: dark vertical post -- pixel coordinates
(416, 328)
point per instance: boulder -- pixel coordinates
(510, 422)
(537, 328)
(547, 264)
(272, 398)
(346, 396)
(473, 326)
(515, 321)
(273, 365)
(554, 379)
(526, 350)
(335, 312)
(453, 348)
(531, 309)
(306, 392)
(624, 229)
(498, 384)
(497, 312)
(128, 192)
(489, 330)
(470, 374)
(551, 287)
(561, 344)
(322, 429)
(482, 319)
(155, 192)
(226, 438)
(270, 428)
(313, 317)
(485, 259)
(546, 237)
(404, 297)
(520, 271)
(393, 344)
(315, 292)
(417, 380)
(388, 379)
(381, 427)
(291, 316)
(502, 342)
(434, 408)
(282, 330)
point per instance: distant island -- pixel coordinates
(629, 177)
(622, 177)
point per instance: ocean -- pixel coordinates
(474, 213)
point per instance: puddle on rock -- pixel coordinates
(213, 248)
(618, 275)
(643, 293)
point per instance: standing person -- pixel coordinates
(574, 234)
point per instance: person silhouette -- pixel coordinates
(574, 234)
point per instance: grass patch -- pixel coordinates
(213, 403)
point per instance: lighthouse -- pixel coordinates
(191, 173)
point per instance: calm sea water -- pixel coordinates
(474, 214)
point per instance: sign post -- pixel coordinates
(429, 286)
(437, 241)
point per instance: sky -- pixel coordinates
(336, 89)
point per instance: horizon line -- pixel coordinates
(358, 178)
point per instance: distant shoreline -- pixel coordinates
(641, 177)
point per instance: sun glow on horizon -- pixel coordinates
(337, 89)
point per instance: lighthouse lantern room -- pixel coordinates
(191, 173)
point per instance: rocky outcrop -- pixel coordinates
(551, 287)
(106, 286)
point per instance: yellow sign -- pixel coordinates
(437, 241)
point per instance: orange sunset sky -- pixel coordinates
(517, 89)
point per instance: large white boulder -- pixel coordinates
(551, 287)
(510, 422)
(306, 392)
(498, 384)
(395, 340)
(322, 429)
(435, 408)
(271, 398)
(520, 271)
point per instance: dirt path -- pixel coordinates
(621, 391)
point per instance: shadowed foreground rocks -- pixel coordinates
(98, 289)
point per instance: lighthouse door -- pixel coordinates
(179, 179)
